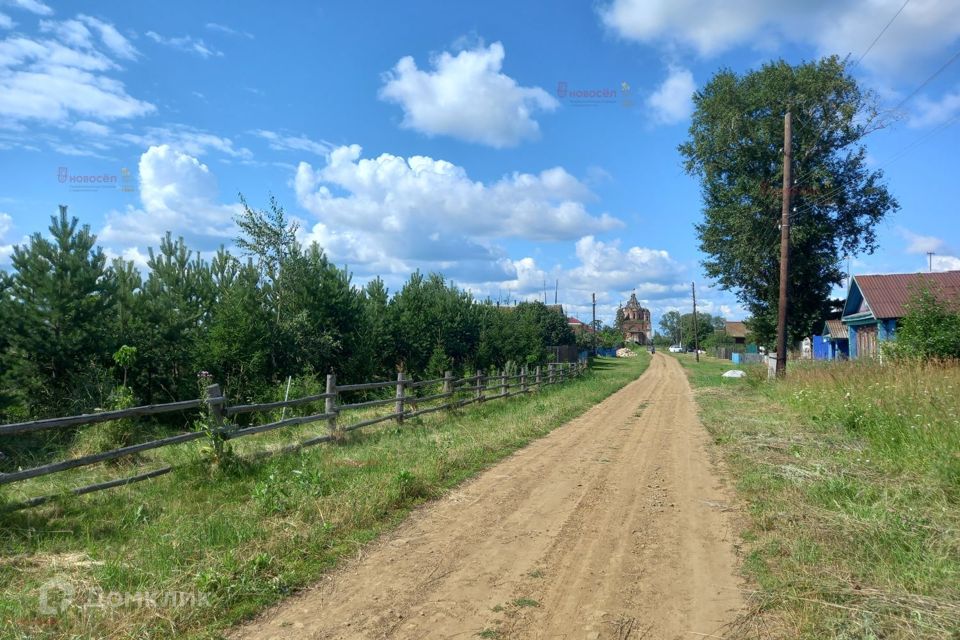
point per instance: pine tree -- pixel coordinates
(60, 296)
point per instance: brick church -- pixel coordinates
(636, 322)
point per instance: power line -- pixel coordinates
(882, 31)
(904, 151)
(929, 79)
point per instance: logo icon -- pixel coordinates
(561, 89)
(62, 174)
(127, 184)
(56, 596)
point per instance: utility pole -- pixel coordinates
(784, 245)
(556, 291)
(930, 261)
(593, 324)
(696, 329)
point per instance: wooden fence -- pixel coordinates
(452, 394)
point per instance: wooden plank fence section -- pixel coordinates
(91, 418)
(470, 389)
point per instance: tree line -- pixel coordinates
(82, 332)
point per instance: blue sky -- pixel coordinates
(445, 136)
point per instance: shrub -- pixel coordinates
(930, 329)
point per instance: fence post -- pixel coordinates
(503, 381)
(479, 386)
(551, 372)
(539, 379)
(448, 387)
(400, 394)
(215, 403)
(330, 406)
(523, 379)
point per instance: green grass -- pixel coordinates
(239, 538)
(522, 603)
(850, 474)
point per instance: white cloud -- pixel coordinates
(6, 223)
(194, 142)
(91, 128)
(188, 44)
(418, 197)
(917, 243)
(467, 97)
(222, 28)
(6, 22)
(52, 79)
(946, 263)
(286, 142)
(601, 268)
(710, 27)
(111, 38)
(33, 6)
(930, 113)
(672, 102)
(178, 193)
(652, 271)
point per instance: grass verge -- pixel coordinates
(851, 477)
(191, 553)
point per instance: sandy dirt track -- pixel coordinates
(614, 525)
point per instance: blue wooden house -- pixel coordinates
(875, 303)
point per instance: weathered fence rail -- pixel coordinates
(457, 393)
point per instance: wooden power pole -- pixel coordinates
(593, 324)
(784, 245)
(696, 329)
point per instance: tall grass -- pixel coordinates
(850, 473)
(241, 537)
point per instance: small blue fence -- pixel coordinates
(607, 352)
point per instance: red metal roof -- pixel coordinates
(838, 331)
(889, 294)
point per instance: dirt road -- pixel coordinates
(612, 526)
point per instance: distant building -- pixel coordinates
(836, 342)
(736, 330)
(578, 326)
(875, 303)
(636, 322)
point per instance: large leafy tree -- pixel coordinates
(671, 327)
(735, 148)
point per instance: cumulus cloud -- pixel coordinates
(599, 267)
(651, 271)
(419, 198)
(51, 79)
(672, 102)
(946, 263)
(711, 27)
(188, 44)
(466, 96)
(178, 193)
(6, 22)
